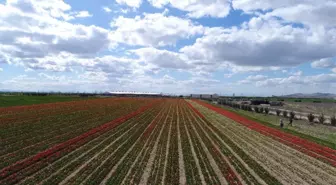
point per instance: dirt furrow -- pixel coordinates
(251, 171)
(299, 163)
(109, 175)
(217, 148)
(85, 153)
(195, 155)
(167, 151)
(183, 179)
(145, 147)
(148, 169)
(273, 166)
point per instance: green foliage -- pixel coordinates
(321, 119)
(261, 109)
(278, 112)
(266, 110)
(311, 117)
(284, 113)
(333, 120)
(292, 115)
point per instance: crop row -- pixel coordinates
(61, 149)
(312, 149)
(266, 158)
(99, 145)
(35, 142)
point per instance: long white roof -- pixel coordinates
(133, 92)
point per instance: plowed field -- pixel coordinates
(152, 141)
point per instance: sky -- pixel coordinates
(246, 47)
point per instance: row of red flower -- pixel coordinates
(310, 148)
(20, 165)
(230, 176)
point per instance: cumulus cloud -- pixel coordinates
(162, 58)
(323, 63)
(304, 80)
(169, 84)
(252, 78)
(1, 69)
(44, 82)
(131, 3)
(262, 42)
(106, 9)
(83, 14)
(197, 9)
(298, 73)
(316, 13)
(35, 34)
(153, 30)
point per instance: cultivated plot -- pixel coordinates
(151, 141)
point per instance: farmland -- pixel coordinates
(15, 100)
(152, 141)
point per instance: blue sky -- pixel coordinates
(246, 47)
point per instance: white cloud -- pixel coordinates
(323, 63)
(35, 34)
(197, 9)
(252, 79)
(316, 13)
(256, 78)
(54, 83)
(162, 58)
(52, 8)
(153, 30)
(262, 43)
(169, 84)
(298, 73)
(106, 9)
(1, 69)
(83, 14)
(131, 3)
(295, 80)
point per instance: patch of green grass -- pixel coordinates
(270, 121)
(7, 101)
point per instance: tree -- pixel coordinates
(292, 114)
(333, 120)
(261, 110)
(284, 113)
(311, 117)
(278, 112)
(266, 110)
(291, 118)
(321, 118)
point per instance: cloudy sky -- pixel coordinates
(248, 47)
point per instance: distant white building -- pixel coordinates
(132, 93)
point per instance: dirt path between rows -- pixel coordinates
(59, 160)
(193, 152)
(209, 156)
(109, 175)
(149, 166)
(183, 179)
(145, 147)
(167, 151)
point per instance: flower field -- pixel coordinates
(151, 141)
